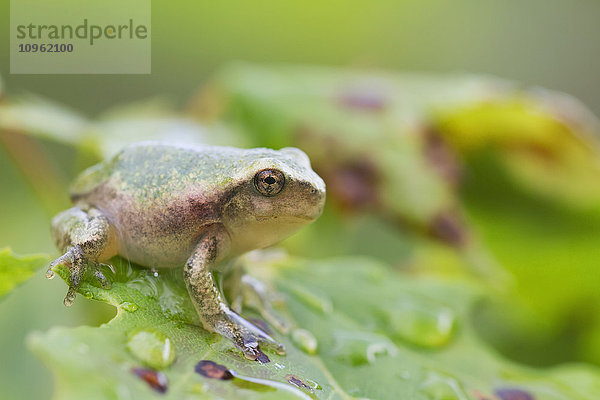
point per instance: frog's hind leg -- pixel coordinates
(248, 291)
(85, 238)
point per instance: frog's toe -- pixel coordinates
(74, 282)
(65, 260)
(50, 274)
(248, 338)
(250, 345)
(70, 297)
(267, 341)
(75, 261)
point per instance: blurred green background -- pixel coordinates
(551, 43)
(548, 43)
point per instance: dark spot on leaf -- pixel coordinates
(441, 156)
(365, 98)
(156, 380)
(262, 357)
(211, 369)
(450, 228)
(542, 152)
(353, 185)
(513, 394)
(294, 380)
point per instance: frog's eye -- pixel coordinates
(269, 182)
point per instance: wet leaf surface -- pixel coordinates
(360, 353)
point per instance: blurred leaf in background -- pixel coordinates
(15, 270)
(548, 43)
(523, 164)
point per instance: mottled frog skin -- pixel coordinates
(165, 206)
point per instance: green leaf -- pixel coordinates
(144, 120)
(41, 117)
(391, 335)
(552, 251)
(15, 269)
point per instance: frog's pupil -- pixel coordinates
(269, 182)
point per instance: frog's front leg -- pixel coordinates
(85, 238)
(215, 314)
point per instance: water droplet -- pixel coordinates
(305, 341)
(314, 299)
(438, 386)
(314, 385)
(359, 348)
(421, 323)
(127, 306)
(152, 348)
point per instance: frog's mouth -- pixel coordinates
(284, 218)
(264, 231)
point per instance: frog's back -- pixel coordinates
(148, 169)
(159, 196)
(90, 179)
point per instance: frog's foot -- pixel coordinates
(255, 294)
(246, 336)
(77, 263)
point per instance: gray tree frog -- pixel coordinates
(166, 205)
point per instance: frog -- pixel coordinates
(190, 206)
